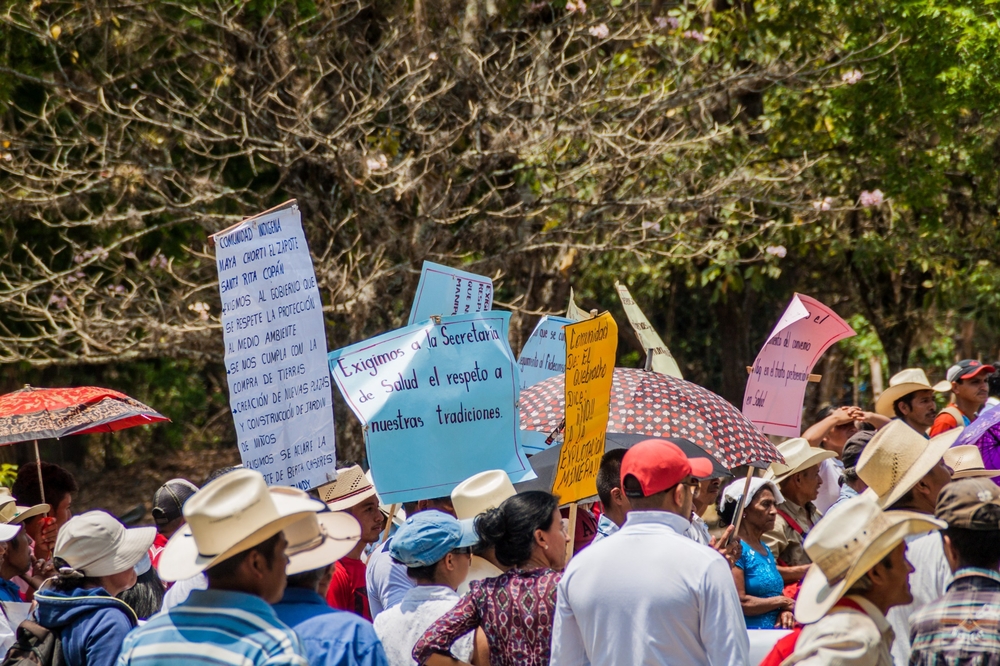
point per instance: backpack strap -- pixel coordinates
(791, 523)
(955, 413)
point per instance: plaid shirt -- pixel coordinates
(963, 626)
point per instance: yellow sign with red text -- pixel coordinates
(591, 346)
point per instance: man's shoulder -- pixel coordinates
(843, 624)
(341, 623)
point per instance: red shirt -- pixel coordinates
(159, 542)
(347, 589)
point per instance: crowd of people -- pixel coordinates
(875, 542)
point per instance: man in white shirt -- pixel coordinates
(434, 548)
(651, 595)
(904, 470)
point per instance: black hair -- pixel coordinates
(146, 596)
(58, 484)
(510, 528)
(424, 574)
(410, 508)
(908, 399)
(609, 474)
(67, 583)
(227, 567)
(976, 548)
(994, 380)
(308, 580)
(222, 471)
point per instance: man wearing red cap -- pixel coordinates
(971, 389)
(649, 594)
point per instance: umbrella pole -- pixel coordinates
(38, 467)
(740, 505)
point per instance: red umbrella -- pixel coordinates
(33, 414)
(658, 405)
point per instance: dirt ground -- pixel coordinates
(122, 490)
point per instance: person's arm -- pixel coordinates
(753, 606)
(877, 421)
(722, 628)
(567, 648)
(817, 431)
(793, 574)
(439, 637)
(105, 637)
(480, 649)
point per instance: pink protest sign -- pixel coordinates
(777, 384)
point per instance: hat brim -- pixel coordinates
(134, 546)
(469, 535)
(180, 558)
(340, 532)
(883, 405)
(8, 531)
(975, 474)
(811, 460)
(25, 512)
(817, 596)
(347, 502)
(978, 371)
(931, 456)
(701, 468)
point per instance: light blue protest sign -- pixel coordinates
(444, 290)
(438, 401)
(543, 356)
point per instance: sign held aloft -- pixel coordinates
(662, 360)
(272, 326)
(542, 356)
(438, 401)
(780, 373)
(443, 290)
(591, 346)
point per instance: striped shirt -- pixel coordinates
(214, 627)
(963, 627)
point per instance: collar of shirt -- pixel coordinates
(422, 593)
(606, 526)
(227, 599)
(872, 611)
(664, 518)
(806, 516)
(975, 578)
(300, 595)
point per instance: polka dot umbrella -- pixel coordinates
(658, 405)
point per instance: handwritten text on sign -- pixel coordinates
(590, 362)
(272, 321)
(777, 383)
(443, 290)
(438, 402)
(543, 356)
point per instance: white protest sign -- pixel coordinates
(574, 312)
(443, 290)
(438, 401)
(662, 361)
(272, 323)
(543, 356)
(777, 384)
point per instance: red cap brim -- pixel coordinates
(701, 467)
(982, 368)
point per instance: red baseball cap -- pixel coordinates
(658, 464)
(966, 369)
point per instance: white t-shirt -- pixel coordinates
(400, 627)
(180, 590)
(830, 470)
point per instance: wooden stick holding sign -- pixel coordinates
(571, 530)
(739, 508)
(591, 346)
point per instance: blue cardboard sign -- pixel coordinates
(444, 290)
(542, 356)
(438, 402)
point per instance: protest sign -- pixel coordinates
(443, 290)
(543, 356)
(662, 361)
(272, 326)
(590, 363)
(574, 311)
(777, 384)
(438, 401)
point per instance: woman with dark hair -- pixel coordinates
(516, 609)
(146, 596)
(758, 583)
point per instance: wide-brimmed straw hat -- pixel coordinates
(897, 458)
(351, 488)
(229, 515)
(12, 514)
(481, 492)
(904, 383)
(967, 462)
(318, 539)
(95, 544)
(799, 456)
(846, 544)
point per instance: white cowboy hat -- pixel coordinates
(799, 456)
(845, 545)
(96, 544)
(351, 488)
(896, 458)
(481, 492)
(902, 384)
(318, 539)
(229, 515)
(967, 462)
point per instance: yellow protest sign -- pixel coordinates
(590, 362)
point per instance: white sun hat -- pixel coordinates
(317, 539)
(97, 544)
(229, 515)
(481, 492)
(846, 544)
(896, 458)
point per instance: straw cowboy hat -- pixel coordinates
(481, 492)
(12, 514)
(967, 462)
(849, 541)
(896, 458)
(351, 488)
(798, 456)
(902, 384)
(229, 515)
(318, 539)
